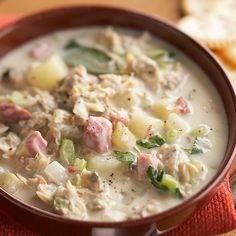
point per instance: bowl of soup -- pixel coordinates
(112, 122)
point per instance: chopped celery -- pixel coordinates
(81, 163)
(171, 135)
(201, 130)
(67, 152)
(18, 98)
(76, 180)
(162, 57)
(60, 202)
(169, 181)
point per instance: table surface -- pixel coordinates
(168, 9)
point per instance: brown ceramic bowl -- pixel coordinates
(36, 25)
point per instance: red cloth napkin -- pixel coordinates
(215, 217)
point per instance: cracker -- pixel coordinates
(216, 32)
(229, 54)
(213, 7)
(231, 72)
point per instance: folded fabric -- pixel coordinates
(215, 217)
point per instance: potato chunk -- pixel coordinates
(175, 122)
(122, 138)
(47, 74)
(142, 124)
(11, 183)
(162, 108)
(103, 164)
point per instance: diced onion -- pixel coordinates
(56, 173)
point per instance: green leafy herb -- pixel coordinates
(6, 75)
(196, 148)
(71, 44)
(154, 141)
(146, 144)
(157, 139)
(169, 185)
(155, 175)
(127, 157)
(95, 61)
(178, 193)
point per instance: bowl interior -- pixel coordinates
(40, 24)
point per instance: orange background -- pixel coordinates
(165, 8)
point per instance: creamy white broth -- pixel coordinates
(129, 196)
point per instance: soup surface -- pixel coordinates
(106, 124)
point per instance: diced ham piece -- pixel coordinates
(12, 113)
(115, 117)
(73, 169)
(144, 161)
(35, 143)
(182, 105)
(40, 51)
(97, 134)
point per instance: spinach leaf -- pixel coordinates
(146, 144)
(157, 139)
(178, 193)
(6, 75)
(155, 175)
(127, 157)
(95, 61)
(156, 178)
(154, 141)
(71, 44)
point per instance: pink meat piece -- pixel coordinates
(97, 134)
(12, 113)
(34, 143)
(182, 105)
(40, 51)
(114, 117)
(73, 169)
(144, 161)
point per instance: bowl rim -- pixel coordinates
(194, 199)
